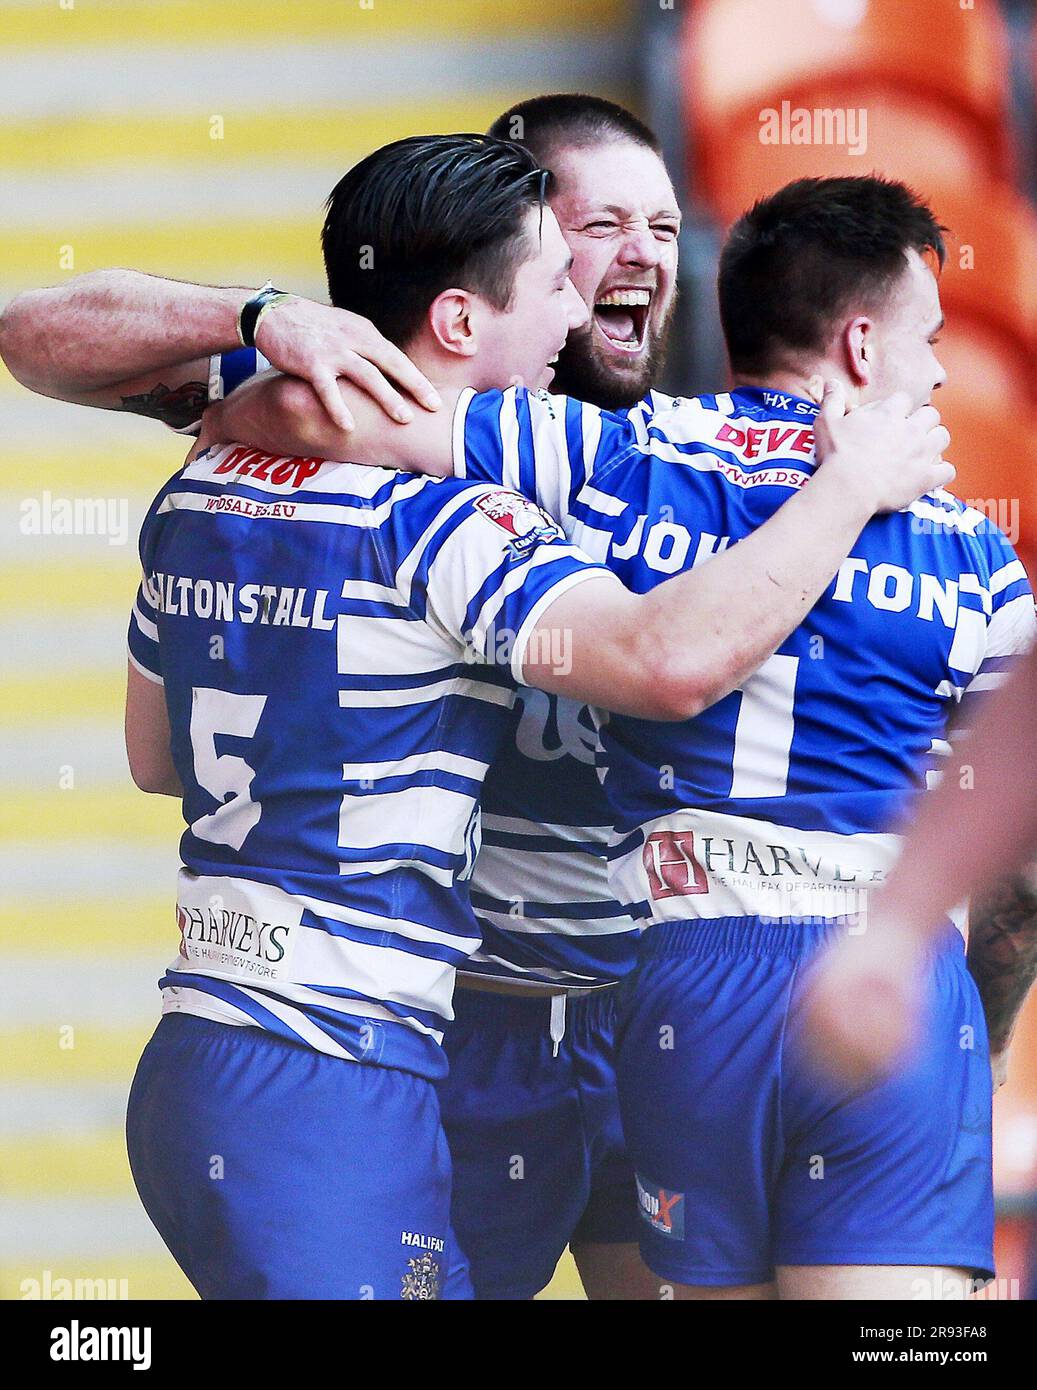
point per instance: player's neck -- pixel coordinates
(450, 372)
(808, 385)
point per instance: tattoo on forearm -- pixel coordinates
(1003, 952)
(178, 406)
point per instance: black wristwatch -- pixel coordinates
(253, 310)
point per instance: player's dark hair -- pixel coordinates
(800, 258)
(544, 124)
(427, 214)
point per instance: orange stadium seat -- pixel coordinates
(987, 370)
(929, 75)
(989, 283)
(995, 454)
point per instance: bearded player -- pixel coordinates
(748, 837)
(530, 1104)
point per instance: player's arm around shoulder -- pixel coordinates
(513, 437)
(122, 340)
(117, 340)
(283, 415)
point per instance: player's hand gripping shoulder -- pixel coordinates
(320, 344)
(887, 450)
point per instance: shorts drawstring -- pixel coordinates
(557, 1022)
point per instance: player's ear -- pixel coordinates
(859, 349)
(451, 321)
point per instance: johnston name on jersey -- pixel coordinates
(784, 798)
(324, 634)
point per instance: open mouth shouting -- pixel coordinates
(621, 317)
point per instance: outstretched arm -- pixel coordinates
(122, 340)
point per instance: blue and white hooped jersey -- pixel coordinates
(540, 884)
(324, 633)
(785, 797)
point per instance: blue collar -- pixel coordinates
(775, 404)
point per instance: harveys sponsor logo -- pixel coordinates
(676, 866)
(669, 861)
(691, 868)
(221, 935)
(522, 519)
(663, 1210)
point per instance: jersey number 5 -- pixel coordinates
(224, 776)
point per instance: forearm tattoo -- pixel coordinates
(1003, 952)
(177, 407)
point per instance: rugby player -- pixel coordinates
(746, 837)
(263, 887)
(529, 1104)
(776, 569)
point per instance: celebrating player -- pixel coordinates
(529, 1104)
(795, 574)
(746, 837)
(315, 929)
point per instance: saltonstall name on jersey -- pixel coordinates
(278, 605)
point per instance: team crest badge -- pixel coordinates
(522, 519)
(421, 1284)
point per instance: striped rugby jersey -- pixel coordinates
(540, 887)
(784, 798)
(324, 633)
(540, 884)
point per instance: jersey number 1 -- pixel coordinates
(764, 729)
